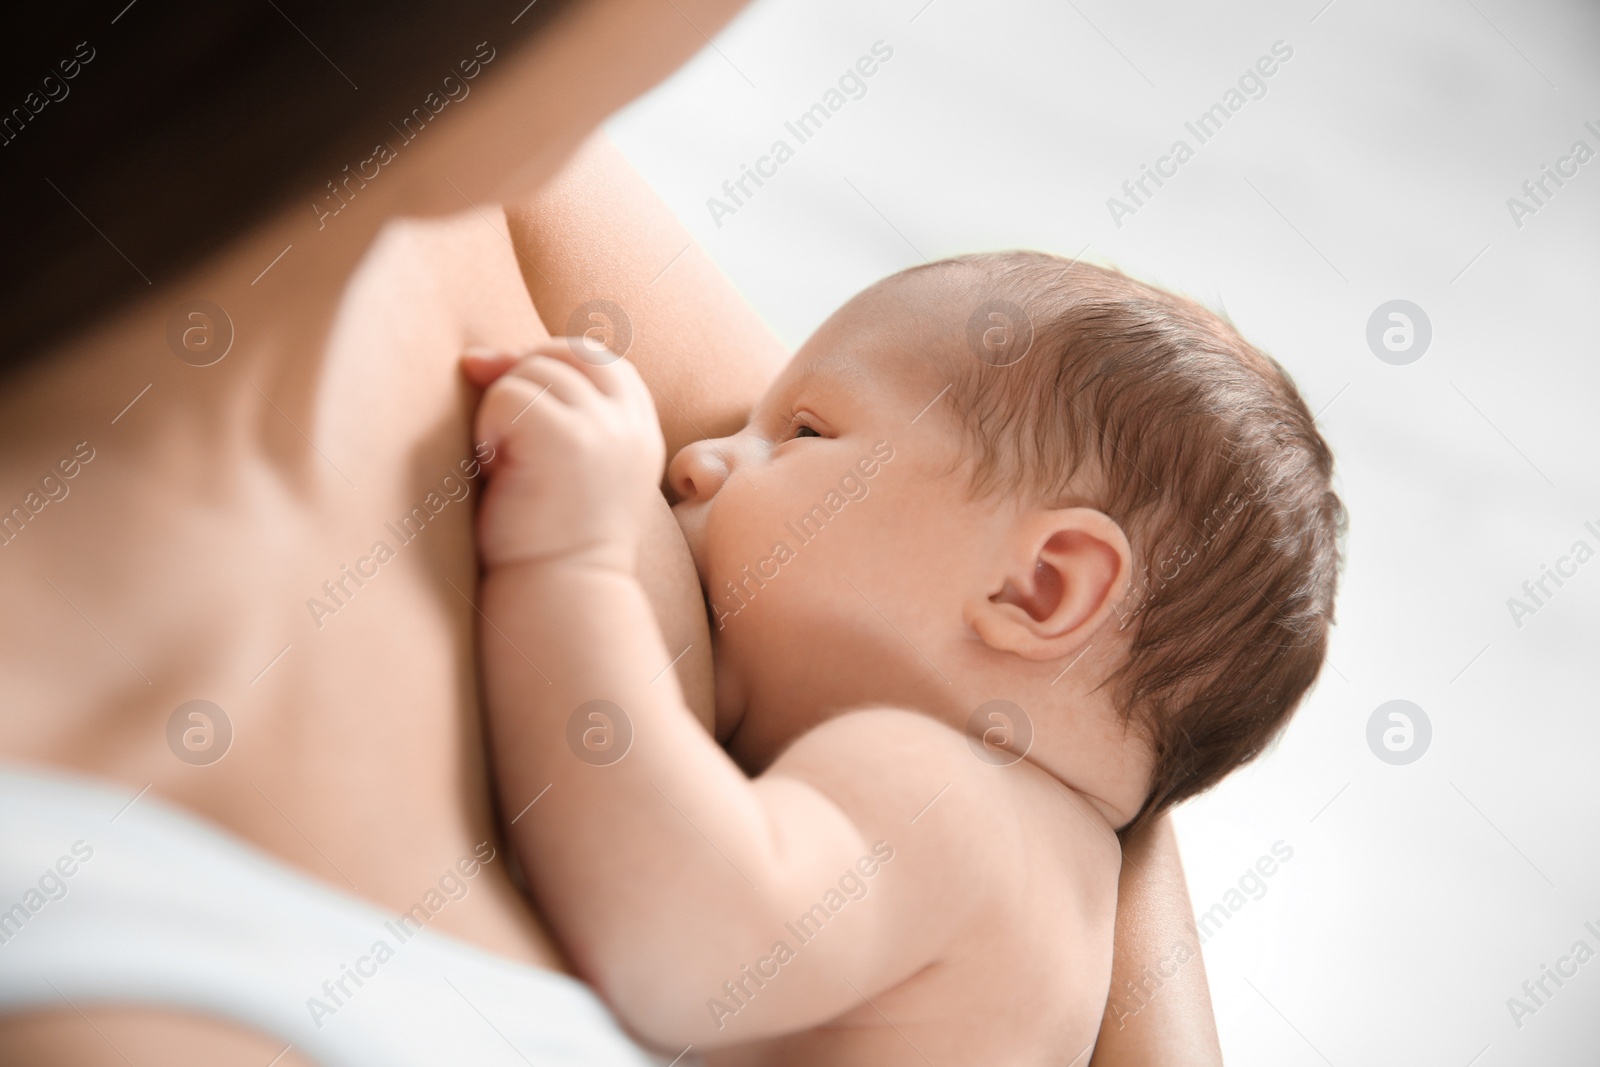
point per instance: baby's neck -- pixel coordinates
(1063, 721)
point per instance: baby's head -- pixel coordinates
(1014, 477)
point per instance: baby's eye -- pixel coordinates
(798, 428)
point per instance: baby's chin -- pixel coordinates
(711, 613)
(729, 720)
(727, 705)
(752, 737)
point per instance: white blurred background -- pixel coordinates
(1376, 166)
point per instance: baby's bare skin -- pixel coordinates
(885, 888)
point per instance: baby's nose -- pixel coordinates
(698, 470)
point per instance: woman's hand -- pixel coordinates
(576, 455)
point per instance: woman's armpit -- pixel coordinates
(602, 254)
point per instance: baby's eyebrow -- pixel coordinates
(830, 375)
(809, 386)
(834, 369)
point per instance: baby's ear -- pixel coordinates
(1063, 572)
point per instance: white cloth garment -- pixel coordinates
(106, 902)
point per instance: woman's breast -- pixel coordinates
(258, 598)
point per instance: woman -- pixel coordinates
(247, 248)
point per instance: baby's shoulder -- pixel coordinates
(880, 749)
(1025, 867)
(874, 728)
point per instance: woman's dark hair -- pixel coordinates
(138, 137)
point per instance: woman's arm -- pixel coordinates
(1159, 1010)
(597, 232)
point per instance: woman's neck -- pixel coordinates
(283, 286)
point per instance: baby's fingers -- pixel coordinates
(541, 363)
(506, 401)
(483, 367)
(517, 417)
(610, 373)
(566, 384)
(614, 376)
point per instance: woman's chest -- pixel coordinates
(256, 598)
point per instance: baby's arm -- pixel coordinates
(665, 871)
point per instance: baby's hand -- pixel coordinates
(578, 454)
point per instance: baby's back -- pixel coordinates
(1024, 981)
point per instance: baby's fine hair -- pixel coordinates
(1154, 410)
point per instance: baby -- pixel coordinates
(1015, 554)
